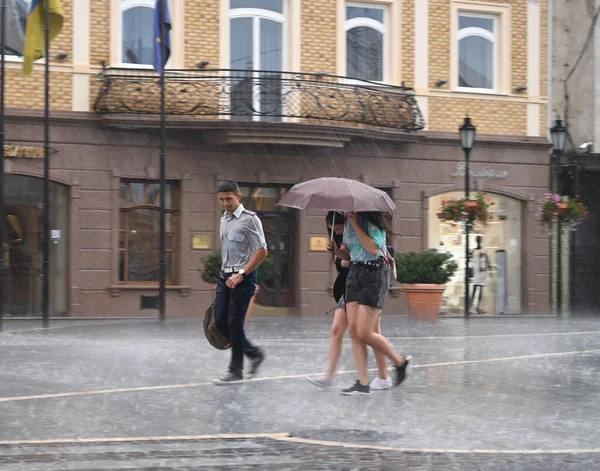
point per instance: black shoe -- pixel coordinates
(229, 378)
(255, 364)
(357, 390)
(403, 371)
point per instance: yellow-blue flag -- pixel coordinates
(34, 32)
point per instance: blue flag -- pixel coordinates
(162, 30)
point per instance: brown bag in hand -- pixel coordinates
(213, 335)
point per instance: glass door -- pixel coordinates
(256, 55)
(279, 225)
(23, 246)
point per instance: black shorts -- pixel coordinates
(368, 283)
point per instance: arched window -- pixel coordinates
(257, 42)
(477, 51)
(365, 42)
(137, 29)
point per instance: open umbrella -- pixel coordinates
(337, 194)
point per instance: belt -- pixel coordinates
(231, 269)
(379, 263)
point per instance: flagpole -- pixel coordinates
(163, 137)
(46, 265)
(2, 77)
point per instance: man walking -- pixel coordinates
(243, 248)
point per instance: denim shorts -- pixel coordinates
(368, 283)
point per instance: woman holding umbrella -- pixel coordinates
(335, 227)
(365, 237)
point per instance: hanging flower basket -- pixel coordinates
(458, 210)
(471, 206)
(552, 207)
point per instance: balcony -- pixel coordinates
(258, 95)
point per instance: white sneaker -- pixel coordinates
(379, 384)
(320, 381)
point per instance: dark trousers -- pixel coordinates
(231, 306)
(474, 293)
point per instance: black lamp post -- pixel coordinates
(467, 139)
(559, 138)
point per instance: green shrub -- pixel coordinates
(264, 272)
(425, 268)
(211, 269)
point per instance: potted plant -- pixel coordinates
(423, 277)
(211, 269)
(458, 210)
(552, 207)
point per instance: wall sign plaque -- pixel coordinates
(318, 244)
(461, 169)
(201, 242)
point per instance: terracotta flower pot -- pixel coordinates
(561, 209)
(471, 206)
(424, 301)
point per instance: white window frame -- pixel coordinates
(19, 59)
(257, 14)
(502, 55)
(125, 5)
(383, 28)
(482, 33)
(116, 27)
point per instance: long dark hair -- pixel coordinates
(379, 219)
(333, 218)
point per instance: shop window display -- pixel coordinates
(496, 267)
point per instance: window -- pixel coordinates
(366, 42)
(137, 29)
(257, 36)
(477, 51)
(17, 12)
(139, 231)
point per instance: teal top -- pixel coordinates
(357, 252)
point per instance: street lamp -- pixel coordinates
(467, 139)
(558, 132)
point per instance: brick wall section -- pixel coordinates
(518, 43)
(202, 33)
(544, 48)
(100, 31)
(318, 53)
(490, 117)
(64, 41)
(439, 43)
(408, 42)
(543, 120)
(28, 92)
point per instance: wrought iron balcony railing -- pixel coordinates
(260, 95)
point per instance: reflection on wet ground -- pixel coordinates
(501, 393)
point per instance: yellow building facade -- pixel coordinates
(419, 45)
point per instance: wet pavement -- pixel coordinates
(489, 394)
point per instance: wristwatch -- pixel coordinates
(242, 272)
